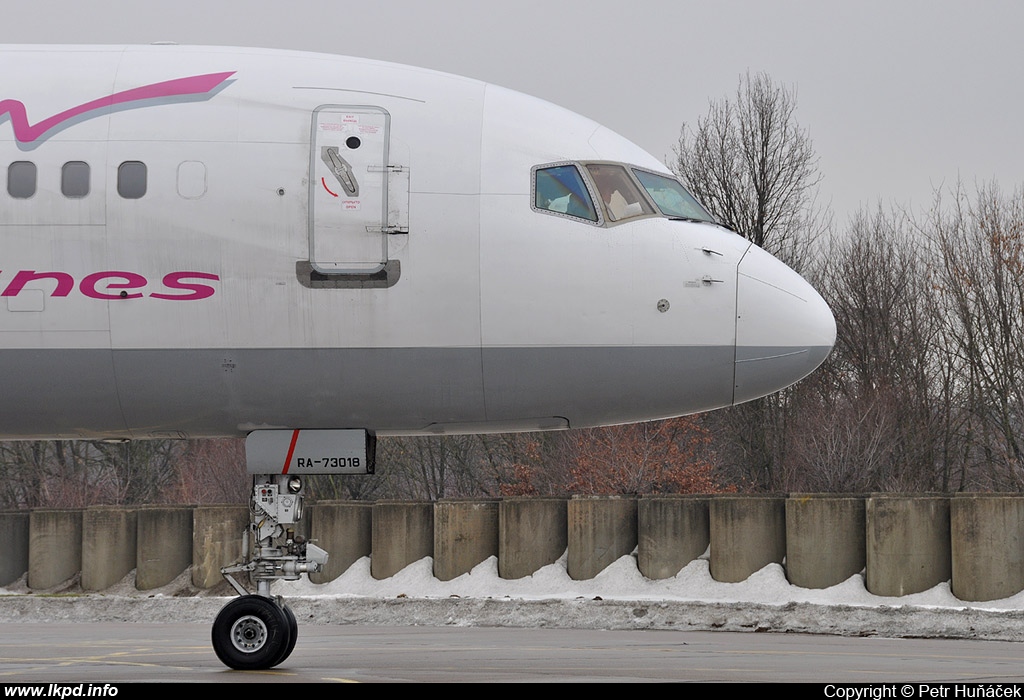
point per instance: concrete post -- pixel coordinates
(403, 532)
(54, 547)
(825, 539)
(108, 546)
(601, 529)
(164, 545)
(672, 532)
(344, 529)
(908, 548)
(13, 545)
(747, 534)
(532, 533)
(987, 546)
(216, 541)
(465, 534)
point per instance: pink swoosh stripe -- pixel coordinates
(195, 85)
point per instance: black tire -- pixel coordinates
(250, 633)
(293, 636)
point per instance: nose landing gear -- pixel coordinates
(258, 631)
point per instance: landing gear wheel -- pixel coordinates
(253, 632)
(293, 635)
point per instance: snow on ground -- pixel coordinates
(619, 597)
(620, 581)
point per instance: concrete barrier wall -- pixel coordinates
(904, 544)
(403, 532)
(465, 534)
(987, 546)
(108, 546)
(747, 534)
(164, 545)
(824, 539)
(54, 547)
(672, 532)
(908, 546)
(601, 529)
(344, 529)
(532, 533)
(13, 546)
(216, 541)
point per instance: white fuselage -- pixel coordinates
(251, 239)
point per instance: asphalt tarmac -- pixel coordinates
(96, 653)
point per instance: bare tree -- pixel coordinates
(208, 471)
(23, 471)
(870, 418)
(79, 473)
(754, 167)
(925, 387)
(981, 246)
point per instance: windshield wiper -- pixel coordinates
(695, 220)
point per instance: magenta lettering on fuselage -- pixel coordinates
(119, 284)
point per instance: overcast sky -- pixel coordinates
(899, 97)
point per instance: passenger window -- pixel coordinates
(561, 189)
(622, 198)
(191, 179)
(21, 179)
(74, 179)
(131, 179)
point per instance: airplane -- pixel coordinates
(310, 251)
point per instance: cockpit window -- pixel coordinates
(671, 197)
(561, 189)
(622, 199)
(605, 193)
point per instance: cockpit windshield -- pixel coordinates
(621, 197)
(606, 194)
(671, 197)
(561, 189)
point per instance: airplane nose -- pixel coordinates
(784, 329)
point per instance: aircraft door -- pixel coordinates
(348, 198)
